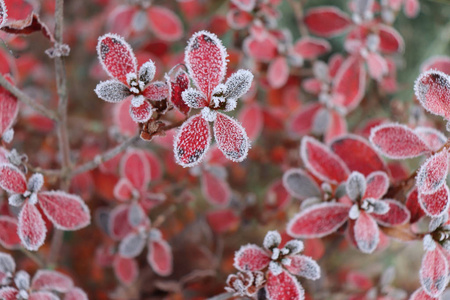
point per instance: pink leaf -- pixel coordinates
(412, 203)
(142, 113)
(164, 23)
(283, 287)
(312, 86)
(327, 21)
(323, 163)
(300, 185)
(238, 19)
(439, 63)
(32, 228)
(432, 137)
(434, 272)
(397, 141)
(51, 280)
(116, 56)
(411, 8)
(126, 269)
(3, 13)
(222, 220)
(12, 179)
(155, 165)
(176, 88)
(311, 48)
(76, 294)
(433, 173)
(8, 293)
(421, 295)
(357, 154)
(366, 233)
(278, 72)
(205, 58)
(397, 214)
(160, 257)
(251, 258)
(194, 98)
(135, 167)
(122, 119)
(337, 126)
(66, 211)
(231, 138)
(118, 225)
(9, 238)
(216, 190)
(262, 48)
(302, 121)
(8, 106)
(123, 190)
(156, 91)
(435, 204)
(112, 91)
(390, 40)
(377, 185)
(432, 88)
(192, 141)
(251, 118)
(349, 84)
(318, 220)
(303, 266)
(246, 5)
(377, 65)
(43, 296)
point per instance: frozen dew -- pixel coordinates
(112, 91)
(272, 240)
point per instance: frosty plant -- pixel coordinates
(205, 59)
(279, 263)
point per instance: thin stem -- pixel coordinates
(298, 12)
(21, 96)
(33, 257)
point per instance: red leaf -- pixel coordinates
(3, 13)
(377, 65)
(397, 141)
(434, 272)
(8, 233)
(412, 203)
(142, 113)
(251, 258)
(8, 293)
(411, 8)
(318, 220)
(349, 84)
(216, 190)
(277, 197)
(8, 107)
(390, 40)
(135, 167)
(398, 214)
(377, 185)
(164, 23)
(51, 280)
(278, 72)
(205, 58)
(421, 295)
(12, 179)
(116, 56)
(223, 220)
(118, 223)
(251, 118)
(327, 21)
(432, 88)
(192, 141)
(432, 137)
(433, 173)
(122, 118)
(176, 87)
(357, 154)
(123, 190)
(156, 91)
(367, 235)
(311, 48)
(303, 266)
(76, 294)
(262, 48)
(238, 19)
(435, 204)
(302, 121)
(43, 296)
(312, 86)
(155, 165)
(126, 269)
(246, 5)
(283, 287)
(439, 63)
(66, 211)
(160, 257)
(231, 138)
(32, 228)
(323, 163)
(337, 126)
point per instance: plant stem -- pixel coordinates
(298, 12)
(33, 257)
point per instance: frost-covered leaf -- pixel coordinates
(434, 272)
(112, 91)
(326, 21)
(156, 91)
(377, 65)
(377, 185)
(52, 281)
(435, 204)
(32, 228)
(303, 266)
(432, 88)
(176, 88)
(76, 294)
(278, 72)
(8, 232)
(272, 240)
(126, 269)
(116, 56)
(8, 106)
(283, 287)
(367, 235)
(251, 118)
(421, 295)
(251, 258)
(142, 113)
(192, 141)
(123, 190)
(118, 225)
(194, 98)
(318, 220)
(7, 264)
(135, 167)
(43, 295)
(3, 13)
(22, 280)
(216, 190)
(164, 23)
(397, 214)
(147, 72)
(223, 220)
(300, 185)
(35, 182)
(390, 40)
(231, 138)
(321, 161)
(432, 137)
(355, 186)
(8, 293)
(302, 121)
(311, 48)
(136, 214)
(205, 58)
(433, 173)
(132, 245)
(397, 141)
(66, 211)
(439, 63)
(412, 203)
(238, 84)
(160, 257)
(245, 5)
(12, 179)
